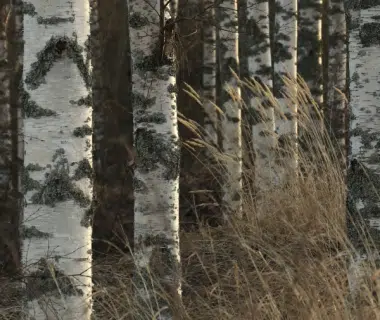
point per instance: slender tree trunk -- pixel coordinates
(285, 64)
(309, 61)
(260, 68)
(209, 72)
(363, 176)
(337, 79)
(11, 59)
(309, 66)
(58, 173)
(156, 142)
(231, 106)
(112, 119)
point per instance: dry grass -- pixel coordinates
(288, 261)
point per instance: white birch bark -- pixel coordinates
(209, 73)
(156, 141)
(260, 68)
(57, 248)
(285, 64)
(337, 60)
(364, 173)
(231, 119)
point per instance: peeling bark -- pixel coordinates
(58, 173)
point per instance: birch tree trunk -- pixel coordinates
(58, 177)
(11, 59)
(209, 73)
(309, 61)
(113, 126)
(285, 64)
(337, 83)
(156, 141)
(231, 120)
(309, 66)
(363, 177)
(260, 68)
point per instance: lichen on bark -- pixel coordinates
(53, 51)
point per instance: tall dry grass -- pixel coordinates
(287, 259)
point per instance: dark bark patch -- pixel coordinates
(33, 232)
(31, 109)
(58, 186)
(41, 281)
(81, 132)
(370, 33)
(54, 20)
(52, 52)
(154, 149)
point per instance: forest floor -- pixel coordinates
(292, 256)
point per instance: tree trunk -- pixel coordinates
(309, 63)
(363, 176)
(337, 83)
(285, 64)
(231, 106)
(309, 67)
(259, 65)
(112, 119)
(11, 59)
(156, 142)
(58, 173)
(209, 72)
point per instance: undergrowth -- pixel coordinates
(290, 257)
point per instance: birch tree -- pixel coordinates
(337, 60)
(156, 179)
(112, 118)
(11, 59)
(58, 172)
(285, 64)
(209, 72)
(231, 119)
(363, 178)
(259, 65)
(309, 61)
(309, 66)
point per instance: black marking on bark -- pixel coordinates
(157, 117)
(34, 167)
(31, 109)
(28, 9)
(41, 281)
(54, 20)
(33, 232)
(84, 170)
(137, 21)
(82, 131)
(58, 185)
(53, 51)
(84, 101)
(28, 183)
(154, 149)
